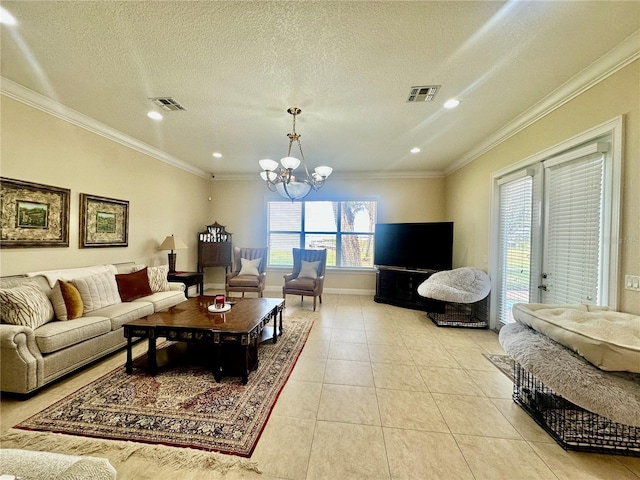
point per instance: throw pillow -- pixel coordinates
(133, 285)
(25, 305)
(309, 269)
(250, 267)
(158, 278)
(66, 300)
(97, 291)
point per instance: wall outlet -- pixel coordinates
(632, 282)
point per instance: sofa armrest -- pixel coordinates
(176, 286)
(21, 364)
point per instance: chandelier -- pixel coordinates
(281, 178)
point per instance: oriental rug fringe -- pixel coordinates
(182, 406)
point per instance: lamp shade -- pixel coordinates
(268, 164)
(290, 162)
(172, 243)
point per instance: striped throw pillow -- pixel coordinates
(25, 305)
(158, 278)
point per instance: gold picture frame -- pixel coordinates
(33, 215)
(104, 222)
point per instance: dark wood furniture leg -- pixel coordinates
(129, 364)
(151, 354)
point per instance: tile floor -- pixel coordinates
(380, 392)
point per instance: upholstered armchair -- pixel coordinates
(307, 278)
(249, 271)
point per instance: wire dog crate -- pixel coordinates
(452, 314)
(571, 426)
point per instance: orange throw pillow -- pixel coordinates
(66, 300)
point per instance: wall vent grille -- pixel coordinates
(167, 104)
(423, 94)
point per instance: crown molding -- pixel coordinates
(22, 94)
(616, 59)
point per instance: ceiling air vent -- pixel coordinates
(423, 94)
(168, 104)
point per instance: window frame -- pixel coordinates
(339, 233)
(612, 194)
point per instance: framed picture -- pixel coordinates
(104, 222)
(33, 215)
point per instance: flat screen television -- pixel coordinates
(414, 246)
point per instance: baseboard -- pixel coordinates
(219, 288)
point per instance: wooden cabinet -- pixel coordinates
(215, 248)
(399, 287)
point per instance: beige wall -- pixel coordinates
(468, 189)
(240, 205)
(163, 200)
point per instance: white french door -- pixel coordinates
(553, 221)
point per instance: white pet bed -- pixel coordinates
(609, 340)
(462, 296)
(460, 285)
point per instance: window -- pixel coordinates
(345, 229)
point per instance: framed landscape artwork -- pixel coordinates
(104, 222)
(33, 215)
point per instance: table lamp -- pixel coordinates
(172, 243)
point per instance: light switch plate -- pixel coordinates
(632, 282)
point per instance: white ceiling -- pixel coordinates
(237, 66)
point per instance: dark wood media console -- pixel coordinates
(399, 287)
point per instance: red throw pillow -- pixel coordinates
(133, 285)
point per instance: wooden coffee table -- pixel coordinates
(233, 337)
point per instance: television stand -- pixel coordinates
(399, 287)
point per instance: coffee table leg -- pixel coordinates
(281, 331)
(151, 355)
(217, 367)
(245, 372)
(129, 364)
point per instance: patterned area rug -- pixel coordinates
(504, 363)
(181, 406)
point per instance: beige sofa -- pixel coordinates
(31, 358)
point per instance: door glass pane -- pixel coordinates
(515, 245)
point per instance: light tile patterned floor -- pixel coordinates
(380, 392)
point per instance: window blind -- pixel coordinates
(573, 199)
(515, 244)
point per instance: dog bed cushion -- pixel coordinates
(609, 340)
(460, 285)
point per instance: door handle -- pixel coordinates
(543, 287)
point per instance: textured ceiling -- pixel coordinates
(237, 66)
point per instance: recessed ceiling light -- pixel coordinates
(217, 154)
(6, 18)
(154, 115)
(415, 150)
(451, 103)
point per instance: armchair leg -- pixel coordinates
(314, 303)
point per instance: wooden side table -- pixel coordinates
(189, 279)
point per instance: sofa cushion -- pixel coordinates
(55, 336)
(98, 291)
(53, 276)
(133, 285)
(163, 300)
(121, 313)
(25, 305)
(66, 300)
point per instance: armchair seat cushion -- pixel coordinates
(244, 281)
(306, 284)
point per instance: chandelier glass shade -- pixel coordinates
(280, 177)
